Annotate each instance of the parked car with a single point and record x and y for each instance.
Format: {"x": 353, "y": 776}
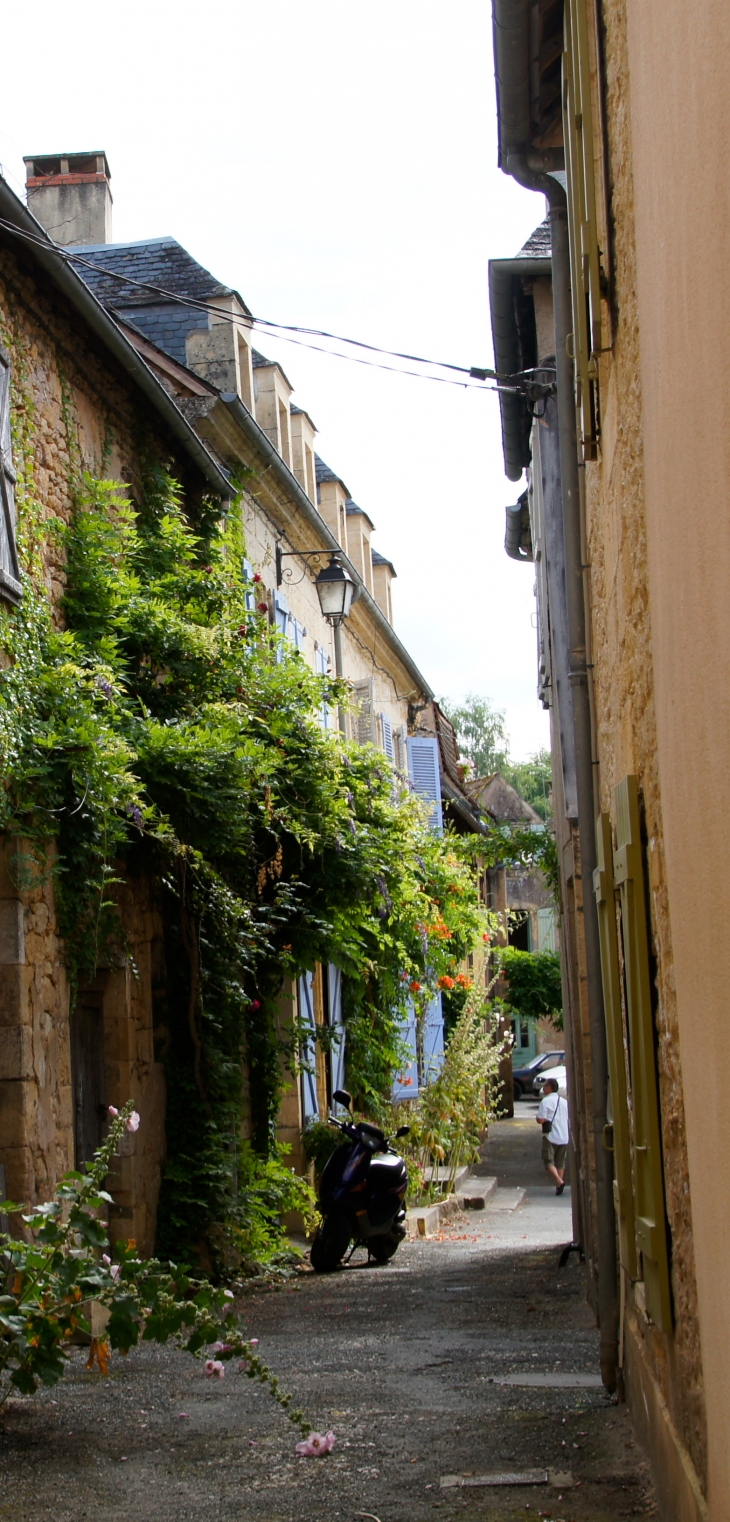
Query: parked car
{"x": 560, "y": 1075}
{"x": 523, "y": 1078}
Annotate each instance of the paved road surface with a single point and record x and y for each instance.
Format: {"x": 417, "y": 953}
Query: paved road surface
{"x": 403, "y": 1361}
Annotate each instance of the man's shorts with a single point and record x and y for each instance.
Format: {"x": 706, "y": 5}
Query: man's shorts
{"x": 553, "y": 1152}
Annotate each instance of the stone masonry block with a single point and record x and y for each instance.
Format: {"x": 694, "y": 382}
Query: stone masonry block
{"x": 16, "y": 1052}
{"x": 12, "y": 936}
{"x": 17, "y": 1113}
{"x": 13, "y": 1003}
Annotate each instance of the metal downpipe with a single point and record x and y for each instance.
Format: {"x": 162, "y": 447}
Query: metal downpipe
{"x": 516, "y": 166}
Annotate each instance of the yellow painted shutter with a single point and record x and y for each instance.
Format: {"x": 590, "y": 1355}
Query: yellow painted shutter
{"x": 651, "y": 1224}
{"x": 623, "y": 1187}
{"x": 585, "y": 267}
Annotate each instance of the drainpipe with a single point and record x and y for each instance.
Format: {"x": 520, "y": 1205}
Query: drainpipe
{"x": 516, "y": 165}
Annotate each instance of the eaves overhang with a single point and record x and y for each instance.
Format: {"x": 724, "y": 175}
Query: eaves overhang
{"x": 462, "y": 806}
{"x": 524, "y": 55}
{"x": 288, "y": 481}
{"x": 513, "y": 407}
{"x": 51, "y": 259}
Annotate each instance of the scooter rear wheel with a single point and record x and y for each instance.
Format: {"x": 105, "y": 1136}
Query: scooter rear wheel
{"x": 383, "y": 1248}
{"x": 331, "y": 1241}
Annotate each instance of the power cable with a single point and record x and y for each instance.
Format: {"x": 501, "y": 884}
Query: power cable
{"x": 284, "y": 330}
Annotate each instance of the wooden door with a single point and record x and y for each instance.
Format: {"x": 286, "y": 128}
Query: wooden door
{"x": 87, "y": 1074}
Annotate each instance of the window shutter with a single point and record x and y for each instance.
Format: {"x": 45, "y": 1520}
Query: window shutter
{"x": 623, "y": 1188}
{"x": 386, "y": 730}
{"x": 583, "y": 230}
{"x": 337, "y": 1052}
{"x": 363, "y": 718}
{"x": 249, "y": 596}
{"x": 423, "y": 770}
{"x": 405, "y": 1084}
{"x": 322, "y": 666}
{"x": 651, "y": 1224}
{"x": 433, "y": 1041}
{"x": 10, "y": 587}
{"x": 308, "y": 1049}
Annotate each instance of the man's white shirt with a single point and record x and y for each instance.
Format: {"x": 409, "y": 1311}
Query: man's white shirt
{"x": 553, "y": 1107}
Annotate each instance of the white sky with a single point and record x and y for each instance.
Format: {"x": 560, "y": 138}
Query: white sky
{"x": 337, "y": 165}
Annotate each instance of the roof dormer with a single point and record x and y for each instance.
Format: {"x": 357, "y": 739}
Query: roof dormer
{"x": 302, "y": 450}
{"x": 359, "y": 532}
{"x": 384, "y": 574}
{"x": 332, "y": 498}
{"x": 222, "y": 352}
{"x": 272, "y": 395}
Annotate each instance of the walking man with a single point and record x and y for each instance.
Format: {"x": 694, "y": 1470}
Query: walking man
{"x": 552, "y": 1115}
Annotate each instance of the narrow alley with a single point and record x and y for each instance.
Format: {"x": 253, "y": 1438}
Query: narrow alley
{"x": 471, "y": 1355}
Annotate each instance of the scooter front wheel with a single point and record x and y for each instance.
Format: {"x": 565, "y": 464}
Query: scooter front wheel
{"x": 331, "y": 1241}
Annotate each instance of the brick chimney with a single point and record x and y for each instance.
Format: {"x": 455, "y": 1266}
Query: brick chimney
{"x": 69, "y": 194}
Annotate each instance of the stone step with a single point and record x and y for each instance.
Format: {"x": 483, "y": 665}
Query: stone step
{"x": 507, "y": 1199}
{"x": 476, "y": 1193}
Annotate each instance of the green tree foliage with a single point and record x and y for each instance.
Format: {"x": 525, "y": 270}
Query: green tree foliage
{"x": 482, "y": 740}
{"x": 167, "y": 734}
{"x": 535, "y": 989}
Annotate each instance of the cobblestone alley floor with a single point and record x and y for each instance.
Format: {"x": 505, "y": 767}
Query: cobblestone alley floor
{"x": 404, "y": 1361}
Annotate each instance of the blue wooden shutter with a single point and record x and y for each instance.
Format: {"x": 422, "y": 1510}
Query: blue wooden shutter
{"x": 337, "y": 1052}
{"x": 249, "y": 595}
{"x": 362, "y": 717}
{"x": 386, "y": 729}
{"x": 433, "y": 1041}
{"x": 308, "y": 1051}
{"x": 423, "y": 770}
{"x": 10, "y": 587}
{"x": 322, "y": 664}
{"x": 405, "y": 1083}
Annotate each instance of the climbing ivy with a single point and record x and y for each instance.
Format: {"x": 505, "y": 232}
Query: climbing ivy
{"x": 165, "y": 734}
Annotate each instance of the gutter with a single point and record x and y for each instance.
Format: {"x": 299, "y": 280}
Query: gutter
{"x": 50, "y": 258}
{"x": 255, "y": 433}
{"x": 512, "y": 53}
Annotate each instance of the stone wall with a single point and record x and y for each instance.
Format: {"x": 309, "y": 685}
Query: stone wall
{"x": 72, "y": 409}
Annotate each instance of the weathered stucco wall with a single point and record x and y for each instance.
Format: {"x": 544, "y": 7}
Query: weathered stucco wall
{"x": 626, "y": 641}
{"x": 679, "y": 71}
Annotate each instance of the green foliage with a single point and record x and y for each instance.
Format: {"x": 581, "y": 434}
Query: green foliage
{"x": 535, "y": 988}
{"x": 167, "y": 733}
{"x": 482, "y": 740}
{"x": 533, "y": 780}
{"x": 48, "y": 1276}
{"x": 266, "y": 1190}
{"x": 480, "y": 733}
{"x": 320, "y": 1141}
{"x": 450, "y": 1116}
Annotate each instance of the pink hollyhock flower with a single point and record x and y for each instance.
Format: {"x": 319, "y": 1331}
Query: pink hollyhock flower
{"x": 106, "y": 1259}
{"x": 221, "y": 1347}
{"x": 316, "y": 1444}
{"x": 113, "y": 1112}
{"x": 132, "y": 1122}
{"x": 255, "y": 1004}
{"x": 214, "y": 1369}
{"x": 228, "y": 1294}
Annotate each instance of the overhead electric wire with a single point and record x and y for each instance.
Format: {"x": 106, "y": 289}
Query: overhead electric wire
{"x": 284, "y": 330}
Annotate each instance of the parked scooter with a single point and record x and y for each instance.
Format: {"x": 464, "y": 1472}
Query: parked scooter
{"x": 361, "y": 1194}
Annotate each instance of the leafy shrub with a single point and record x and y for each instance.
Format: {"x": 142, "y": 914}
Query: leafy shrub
{"x": 535, "y": 987}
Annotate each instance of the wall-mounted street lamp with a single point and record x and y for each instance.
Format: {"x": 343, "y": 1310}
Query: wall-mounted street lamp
{"x": 335, "y": 590}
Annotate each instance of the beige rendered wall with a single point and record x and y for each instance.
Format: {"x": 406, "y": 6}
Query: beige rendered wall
{"x": 679, "y": 71}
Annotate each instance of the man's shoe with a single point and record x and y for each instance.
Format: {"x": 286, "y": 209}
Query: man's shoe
{"x": 559, "y": 1188}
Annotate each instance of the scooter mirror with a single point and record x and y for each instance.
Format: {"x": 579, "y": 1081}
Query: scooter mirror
{"x": 341, "y": 1097}
{"x": 403, "y": 1131}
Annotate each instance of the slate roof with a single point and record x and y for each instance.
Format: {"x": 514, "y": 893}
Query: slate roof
{"x": 257, "y": 359}
{"x": 162, "y": 262}
{"x": 322, "y": 471}
{"x": 538, "y": 243}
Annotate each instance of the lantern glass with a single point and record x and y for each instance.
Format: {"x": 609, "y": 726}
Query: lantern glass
{"x": 334, "y": 589}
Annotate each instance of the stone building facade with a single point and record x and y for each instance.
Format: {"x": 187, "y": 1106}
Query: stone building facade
{"x": 616, "y": 112}
{"x": 89, "y": 374}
